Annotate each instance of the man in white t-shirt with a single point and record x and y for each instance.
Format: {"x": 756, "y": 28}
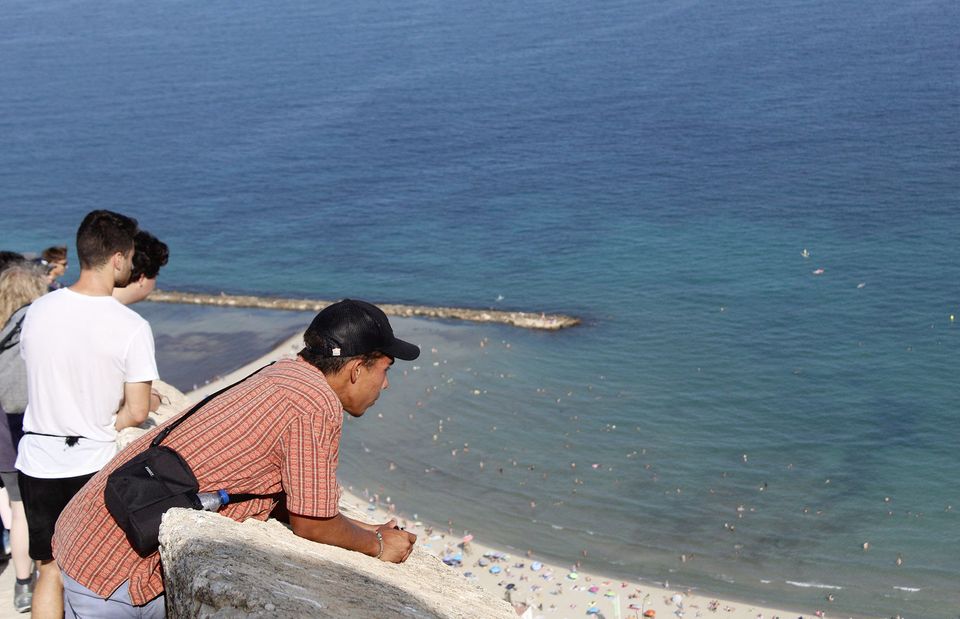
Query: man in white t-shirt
{"x": 90, "y": 363}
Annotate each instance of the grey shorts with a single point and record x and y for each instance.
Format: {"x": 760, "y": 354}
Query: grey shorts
{"x": 82, "y": 603}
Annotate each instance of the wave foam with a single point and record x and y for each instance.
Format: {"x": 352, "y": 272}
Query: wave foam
{"x": 812, "y": 585}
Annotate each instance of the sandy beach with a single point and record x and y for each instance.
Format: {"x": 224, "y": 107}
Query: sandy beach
{"x": 549, "y": 589}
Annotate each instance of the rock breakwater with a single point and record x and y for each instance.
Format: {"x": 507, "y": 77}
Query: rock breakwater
{"x": 526, "y": 320}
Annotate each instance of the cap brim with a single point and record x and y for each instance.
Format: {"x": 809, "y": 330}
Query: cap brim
{"x": 401, "y": 350}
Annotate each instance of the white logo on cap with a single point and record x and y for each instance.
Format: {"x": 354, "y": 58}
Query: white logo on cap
{"x": 336, "y": 352}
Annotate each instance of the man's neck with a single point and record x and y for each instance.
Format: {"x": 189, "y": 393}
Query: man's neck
{"x": 94, "y": 283}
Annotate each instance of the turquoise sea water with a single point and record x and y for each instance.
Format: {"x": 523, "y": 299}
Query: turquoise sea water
{"x": 656, "y": 168}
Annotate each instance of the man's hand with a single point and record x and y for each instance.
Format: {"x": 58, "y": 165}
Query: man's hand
{"x": 397, "y": 543}
{"x": 351, "y": 534}
{"x": 155, "y": 400}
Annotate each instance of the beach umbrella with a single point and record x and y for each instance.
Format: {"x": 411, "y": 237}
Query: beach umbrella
{"x": 535, "y": 566}
{"x": 593, "y": 589}
{"x": 573, "y": 576}
{"x": 593, "y": 610}
{"x": 495, "y": 569}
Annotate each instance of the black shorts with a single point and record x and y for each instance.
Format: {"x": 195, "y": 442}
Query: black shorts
{"x": 43, "y": 501}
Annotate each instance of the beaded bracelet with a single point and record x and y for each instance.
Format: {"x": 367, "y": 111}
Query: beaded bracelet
{"x": 380, "y": 540}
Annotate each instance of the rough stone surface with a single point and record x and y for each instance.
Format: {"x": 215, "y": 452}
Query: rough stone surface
{"x": 216, "y": 567}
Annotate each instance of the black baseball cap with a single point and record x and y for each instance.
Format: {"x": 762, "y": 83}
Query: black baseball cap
{"x": 350, "y": 328}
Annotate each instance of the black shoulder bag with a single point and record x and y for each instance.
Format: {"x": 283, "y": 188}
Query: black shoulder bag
{"x": 139, "y": 492}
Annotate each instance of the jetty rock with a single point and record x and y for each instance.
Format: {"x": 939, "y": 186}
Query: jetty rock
{"x": 525, "y": 320}
{"x": 216, "y": 567}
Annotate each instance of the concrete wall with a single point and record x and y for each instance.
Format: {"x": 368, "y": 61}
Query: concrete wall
{"x": 216, "y": 567}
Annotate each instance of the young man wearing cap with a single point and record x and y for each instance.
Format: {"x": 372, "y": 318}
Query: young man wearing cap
{"x": 275, "y": 433}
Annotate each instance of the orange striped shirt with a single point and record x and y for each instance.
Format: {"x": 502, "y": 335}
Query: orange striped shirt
{"x": 278, "y": 430}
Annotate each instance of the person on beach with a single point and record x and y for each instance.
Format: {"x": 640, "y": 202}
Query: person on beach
{"x": 55, "y": 259}
{"x": 150, "y": 253}
{"x": 20, "y": 285}
{"x": 277, "y": 434}
{"x": 90, "y": 363}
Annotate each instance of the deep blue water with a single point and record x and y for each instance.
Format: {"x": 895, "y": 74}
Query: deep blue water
{"x": 654, "y": 167}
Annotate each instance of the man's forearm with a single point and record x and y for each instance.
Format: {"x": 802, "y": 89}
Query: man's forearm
{"x": 337, "y": 531}
{"x": 135, "y": 407}
{"x": 363, "y": 525}
{"x": 383, "y": 541}
{"x": 128, "y": 419}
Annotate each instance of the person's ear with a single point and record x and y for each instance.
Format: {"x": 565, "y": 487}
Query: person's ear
{"x": 118, "y": 260}
{"x": 355, "y": 370}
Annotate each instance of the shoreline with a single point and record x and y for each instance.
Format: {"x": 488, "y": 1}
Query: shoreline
{"x": 552, "y": 590}
{"x": 525, "y": 320}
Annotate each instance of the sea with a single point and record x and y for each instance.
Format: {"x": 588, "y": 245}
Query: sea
{"x": 753, "y": 207}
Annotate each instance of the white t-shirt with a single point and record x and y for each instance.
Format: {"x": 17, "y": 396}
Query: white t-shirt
{"x": 79, "y": 351}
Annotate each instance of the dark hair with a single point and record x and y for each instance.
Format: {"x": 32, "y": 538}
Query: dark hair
{"x": 101, "y": 235}
{"x": 55, "y": 253}
{"x": 150, "y": 254}
{"x": 331, "y": 365}
{"x": 9, "y": 258}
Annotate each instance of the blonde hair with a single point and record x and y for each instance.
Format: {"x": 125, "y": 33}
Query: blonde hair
{"x": 19, "y": 285}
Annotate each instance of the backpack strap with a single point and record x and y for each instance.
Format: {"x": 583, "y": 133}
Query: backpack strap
{"x": 234, "y": 498}
{"x": 7, "y": 342}
{"x": 170, "y": 428}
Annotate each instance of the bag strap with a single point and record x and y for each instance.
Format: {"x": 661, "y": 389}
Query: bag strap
{"x": 170, "y": 428}
{"x": 234, "y": 498}
{"x": 6, "y": 344}
{"x": 70, "y": 440}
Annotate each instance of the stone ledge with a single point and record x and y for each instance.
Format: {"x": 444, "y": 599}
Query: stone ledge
{"x": 217, "y": 567}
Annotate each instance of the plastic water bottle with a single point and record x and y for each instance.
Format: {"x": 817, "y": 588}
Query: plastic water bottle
{"x": 213, "y": 501}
